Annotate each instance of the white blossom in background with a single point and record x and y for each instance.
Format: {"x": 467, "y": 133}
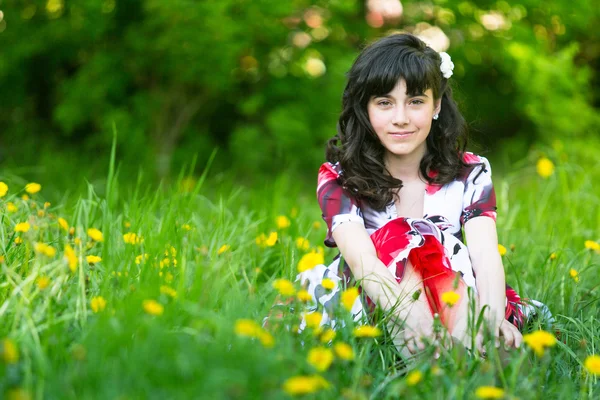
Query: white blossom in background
{"x": 382, "y": 11}
{"x": 493, "y": 21}
{"x": 315, "y": 67}
{"x": 433, "y": 36}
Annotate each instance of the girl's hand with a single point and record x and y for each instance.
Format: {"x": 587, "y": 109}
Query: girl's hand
{"x": 510, "y": 333}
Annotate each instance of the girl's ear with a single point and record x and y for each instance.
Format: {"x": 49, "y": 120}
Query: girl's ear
{"x": 438, "y": 106}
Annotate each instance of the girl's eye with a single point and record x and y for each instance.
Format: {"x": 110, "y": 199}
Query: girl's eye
{"x": 416, "y": 101}
{"x": 384, "y": 103}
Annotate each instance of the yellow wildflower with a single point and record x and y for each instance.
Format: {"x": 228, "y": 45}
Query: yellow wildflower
{"x": 367, "y": 331}
{"x": 98, "y": 304}
{"x": 247, "y": 327}
{"x": 25, "y": 198}
{"x": 343, "y": 351}
{"x": 41, "y": 213}
{"x": 18, "y": 240}
{"x": 501, "y": 250}
{"x": 169, "y": 291}
{"x": 320, "y": 358}
{"x": 3, "y": 189}
{"x": 304, "y": 296}
{"x": 43, "y": 282}
{"x": 284, "y": 287}
{"x": 10, "y": 207}
{"x": 574, "y": 274}
{"x": 592, "y": 364}
{"x": 22, "y": 227}
{"x": 63, "y": 224}
{"x": 71, "y": 258}
{"x": 414, "y": 377}
{"x": 316, "y": 225}
{"x": 95, "y": 235}
{"x": 327, "y": 336}
{"x": 489, "y": 392}
{"x": 10, "y": 353}
{"x": 302, "y": 243}
{"x": 2, "y": 260}
{"x": 349, "y": 297}
{"x": 327, "y": 284}
{"x": 33, "y": 188}
{"x": 153, "y": 307}
{"x": 266, "y": 339}
{"x": 132, "y": 238}
{"x": 44, "y": 249}
{"x": 592, "y": 245}
{"x": 282, "y": 222}
{"x": 169, "y": 277}
{"x": 313, "y": 320}
{"x": 93, "y": 259}
{"x": 186, "y": 227}
{"x": 223, "y": 249}
{"x": 142, "y": 257}
{"x": 539, "y": 340}
{"x": 310, "y": 260}
{"x": 545, "y": 167}
{"x": 47, "y": 204}
{"x": 18, "y": 393}
{"x": 450, "y": 298}
{"x": 264, "y": 240}
{"x": 553, "y": 256}
{"x": 301, "y": 385}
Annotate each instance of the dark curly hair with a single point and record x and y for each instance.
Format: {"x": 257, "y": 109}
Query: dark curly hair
{"x": 357, "y": 148}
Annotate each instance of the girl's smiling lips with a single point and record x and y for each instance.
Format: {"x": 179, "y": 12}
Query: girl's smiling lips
{"x": 401, "y": 133}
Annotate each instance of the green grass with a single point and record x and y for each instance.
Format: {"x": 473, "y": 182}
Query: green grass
{"x": 67, "y": 351}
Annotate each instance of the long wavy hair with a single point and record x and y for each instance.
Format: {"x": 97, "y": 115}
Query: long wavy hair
{"x": 357, "y": 148}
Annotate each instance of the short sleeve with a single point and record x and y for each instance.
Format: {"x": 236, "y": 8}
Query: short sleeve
{"x": 479, "y": 198}
{"x": 337, "y": 207}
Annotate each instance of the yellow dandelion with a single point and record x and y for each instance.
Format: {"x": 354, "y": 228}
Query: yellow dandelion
{"x": 186, "y": 227}
{"x": 264, "y": 240}
{"x": 349, "y": 297}
{"x": 266, "y": 339}
{"x": 22, "y": 227}
{"x": 574, "y": 274}
{"x": 327, "y": 284}
{"x": 132, "y": 238}
{"x": 169, "y": 277}
{"x": 10, "y": 207}
{"x": 153, "y": 307}
{"x": 2, "y": 259}
{"x": 71, "y": 258}
{"x": 313, "y": 320}
{"x": 310, "y": 260}
{"x": 98, "y": 304}
{"x": 592, "y": 245}
{"x": 43, "y": 282}
{"x": 301, "y": 385}
{"x": 316, "y": 225}
{"x": 545, "y": 167}
{"x": 3, "y": 189}
{"x": 93, "y": 259}
{"x": 302, "y": 244}
{"x": 450, "y": 298}
{"x": 538, "y": 341}
{"x": 320, "y": 358}
{"x": 282, "y": 222}
{"x": 95, "y": 235}
{"x": 41, "y": 213}
{"x": 47, "y": 204}
{"x": 26, "y": 198}
{"x": 414, "y": 377}
{"x": 501, "y": 250}
{"x": 223, "y": 249}
{"x": 247, "y": 327}
{"x": 169, "y": 291}
{"x": 343, "y": 351}
{"x": 18, "y": 241}
{"x": 42, "y": 248}
{"x": 367, "y": 331}
{"x": 141, "y": 258}
{"x": 63, "y": 224}
{"x": 327, "y": 336}
{"x": 33, "y": 188}
{"x": 284, "y": 287}
{"x": 553, "y": 256}
{"x": 489, "y": 392}
{"x": 10, "y": 353}
{"x": 592, "y": 364}
{"x": 304, "y": 296}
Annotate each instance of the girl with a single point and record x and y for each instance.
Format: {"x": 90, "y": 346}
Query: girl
{"x": 398, "y": 191}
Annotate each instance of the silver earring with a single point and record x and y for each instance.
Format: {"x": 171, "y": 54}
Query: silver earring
{"x": 436, "y": 116}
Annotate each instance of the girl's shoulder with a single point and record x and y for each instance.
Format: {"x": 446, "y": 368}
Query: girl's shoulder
{"x": 476, "y": 165}
{"x": 328, "y": 172}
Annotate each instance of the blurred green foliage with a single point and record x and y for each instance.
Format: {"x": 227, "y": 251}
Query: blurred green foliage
{"x": 262, "y": 80}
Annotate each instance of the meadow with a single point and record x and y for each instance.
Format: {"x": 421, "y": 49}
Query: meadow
{"x": 160, "y": 293}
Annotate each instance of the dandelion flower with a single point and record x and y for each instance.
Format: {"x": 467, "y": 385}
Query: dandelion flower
{"x": 45, "y": 249}
{"x": 10, "y": 353}
{"x": 186, "y": 227}
{"x": 501, "y": 250}
{"x": 414, "y": 377}
{"x": 320, "y": 358}
{"x": 313, "y": 320}
{"x": 131, "y": 238}
{"x": 33, "y": 188}
{"x": 349, "y": 297}
{"x": 22, "y": 227}
{"x": 223, "y": 249}
{"x": 302, "y": 244}
{"x": 343, "y": 351}
{"x": 367, "y": 331}
{"x": 545, "y": 167}
{"x": 10, "y": 207}
{"x": 3, "y": 189}
{"x": 282, "y": 222}
{"x": 553, "y": 256}
{"x": 539, "y": 340}
{"x": 246, "y": 327}
{"x": 592, "y": 245}
{"x": 153, "y": 307}
{"x": 71, "y": 258}
{"x": 574, "y": 274}
{"x": 63, "y": 224}
{"x": 310, "y": 260}
{"x": 301, "y": 385}
{"x": 328, "y": 284}
{"x": 18, "y": 241}
{"x": 93, "y": 259}
{"x": 267, "y": 241}
{"x": 141, "y": 258}
{"x": 43, "y": 282}
{"x": 284, "y": 287}
{"x": 489, "y": 392}
{"x": 592, "y": 364}
{"x": 450, "y": 298}
{"x": 266, "y": 339}
{"x": 98, "y": 304}
{"x": 327, "y": 336}
{"x": 169, "y": 291}
{"x": 304, "y": 296}
{"x": 95, "y": 235}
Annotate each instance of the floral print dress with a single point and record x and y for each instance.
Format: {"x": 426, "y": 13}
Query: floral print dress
{"x": 433, "y": 244}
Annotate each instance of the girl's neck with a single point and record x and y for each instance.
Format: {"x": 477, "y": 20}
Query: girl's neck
{"x": 406, "y": 168}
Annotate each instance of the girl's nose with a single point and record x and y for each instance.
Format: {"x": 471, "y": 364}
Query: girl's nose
{"x": 400, "y": 117}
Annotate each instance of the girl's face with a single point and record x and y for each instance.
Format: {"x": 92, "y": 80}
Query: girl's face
{"x": 403, "y": 122}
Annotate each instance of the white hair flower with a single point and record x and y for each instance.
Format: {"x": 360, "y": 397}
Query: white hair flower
{"x": 447, "y": 66}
